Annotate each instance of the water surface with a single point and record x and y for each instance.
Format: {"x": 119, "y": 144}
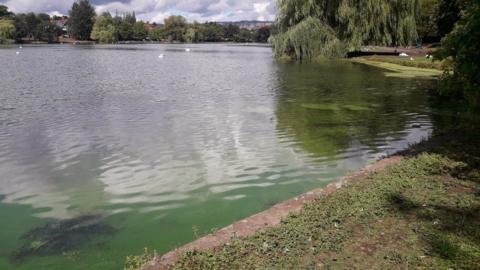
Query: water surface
{"x": 160, "y": 148}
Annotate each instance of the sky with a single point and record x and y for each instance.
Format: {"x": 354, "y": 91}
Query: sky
{"x": 157, "y": 10}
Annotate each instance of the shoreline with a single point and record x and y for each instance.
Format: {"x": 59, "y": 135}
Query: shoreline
{"x": 267, "y": 219}
{"x": 400, "y": 71}
{"x": 417, "y": 209}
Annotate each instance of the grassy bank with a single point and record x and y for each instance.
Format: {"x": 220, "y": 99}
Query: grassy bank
{"x": 417, "y": 62}
{"x": 400, "y": 68}
{"x": 422, "y": 213}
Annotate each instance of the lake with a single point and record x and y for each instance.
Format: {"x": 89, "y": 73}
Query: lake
{"x": 105, "y": 150}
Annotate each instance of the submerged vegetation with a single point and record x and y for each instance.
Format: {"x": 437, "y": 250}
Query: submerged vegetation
{"x": 61, "y": 236}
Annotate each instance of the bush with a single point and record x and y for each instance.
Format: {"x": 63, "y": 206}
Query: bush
{"x": 462, "y": 46}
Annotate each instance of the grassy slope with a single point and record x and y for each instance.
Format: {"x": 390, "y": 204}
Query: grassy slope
{"x": 422, "y": 213}
{"x": 419, "y": 61}
{"x": 399, "y": 68}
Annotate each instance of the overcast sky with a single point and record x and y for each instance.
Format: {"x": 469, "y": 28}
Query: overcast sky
{"x": 157, "y": 10}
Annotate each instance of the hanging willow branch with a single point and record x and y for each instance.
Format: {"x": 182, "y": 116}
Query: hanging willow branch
{"x": 312, "y": 28}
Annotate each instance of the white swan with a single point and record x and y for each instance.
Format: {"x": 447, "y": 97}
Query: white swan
{"x": 17, "y": 53}
{"x": 187, "y": 49}
{"x": 161, "y": 56}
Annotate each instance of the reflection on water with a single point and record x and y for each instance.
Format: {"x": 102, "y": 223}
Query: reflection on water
{"x": 201, "y": 138}
{"x": 342, "y": 111}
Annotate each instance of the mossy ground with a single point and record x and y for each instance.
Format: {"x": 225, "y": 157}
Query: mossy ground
{"x": 423, "y": 213}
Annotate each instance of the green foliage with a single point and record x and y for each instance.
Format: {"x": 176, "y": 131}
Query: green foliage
{"x": 7, "y": 30}
{"x": 212, "y": 32}
{"x": 307, "y": 40}
{"x": 110, "y": 30}
{"x": 83, "y": 25}
{"x": 191, "y": 35}
{"x": 309, "y": 29}
{"x": 244, "y": 35}
{"x": 81, "y": 19}
{"x": 35, "y": 27}
{"x": 462, "y": 46}
{"x": 262, "y": 34}
{"x": 427, "y": 23}
{"x": 176, "y": 29}
{"x": 139, "y": 31}
{"x": 231, "y": 31}
{"x": 448, "y": 15}
{"x": 103, "y": 30}
{"x": 138, "y": 261}
{"x": 4, "y": 12}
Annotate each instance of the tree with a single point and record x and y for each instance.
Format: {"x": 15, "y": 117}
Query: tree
{"x": 212, "y": 32}
{"x": 462, "y": 45}
{"x": 427, "y": 22}
{"x": 243, "y": 36}
{"x": 139, "y": 31}
{"x": 104, "y": 30}
{"x": 125, "y": 30}
{"x": 21, "y": 27}
{"x": 262, "y": 34}
{"x": 231, "y": 30}
{"x": 156, "y": 34}
{"x": 7, "y": 31}
{"x": 191, "y": 35}
{"x": 448, "y": 15}
{"x": 174, "y": 28}
{"x": 4, "y": 12}
{"x": 308, "y": 29}
{"x": 81, "y": 19}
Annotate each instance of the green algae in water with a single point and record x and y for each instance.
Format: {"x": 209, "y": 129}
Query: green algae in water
{"x": 356, "y": 107}
{"x": 336, "y": 107}
{"x": 322, "y": 106}
{"x": 61, "y": 236}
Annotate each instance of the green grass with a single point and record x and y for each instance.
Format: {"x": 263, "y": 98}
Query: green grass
{"x": 400, "y": 70}
{"x": 423, "y": 213}
{"x": 418, "y": 61}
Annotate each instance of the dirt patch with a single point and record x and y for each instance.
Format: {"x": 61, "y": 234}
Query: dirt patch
{"x": 462, "y": 189}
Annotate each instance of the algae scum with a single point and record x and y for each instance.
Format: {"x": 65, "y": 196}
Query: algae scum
{"x": 62, "y": 236}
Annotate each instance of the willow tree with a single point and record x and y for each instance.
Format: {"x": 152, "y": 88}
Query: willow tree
{"x": 312, "y": 28}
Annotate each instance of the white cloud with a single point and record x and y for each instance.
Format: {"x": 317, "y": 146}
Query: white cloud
{"x": 157, "y": 10}
{"x": 260, "y": 7}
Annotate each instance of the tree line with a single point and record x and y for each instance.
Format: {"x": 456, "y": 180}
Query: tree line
{"x": 109, "y": 29}
{"x": 85, "y": 24}
{"x": 35, "y": 27}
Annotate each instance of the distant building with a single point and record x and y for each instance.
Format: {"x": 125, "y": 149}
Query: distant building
{"x": 61, "y": 22}
{"x": 150, "y": 26}
{"x": 250, "y": 25}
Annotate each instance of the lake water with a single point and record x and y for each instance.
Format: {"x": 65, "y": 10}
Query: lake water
{"x": 161, "y": 150}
